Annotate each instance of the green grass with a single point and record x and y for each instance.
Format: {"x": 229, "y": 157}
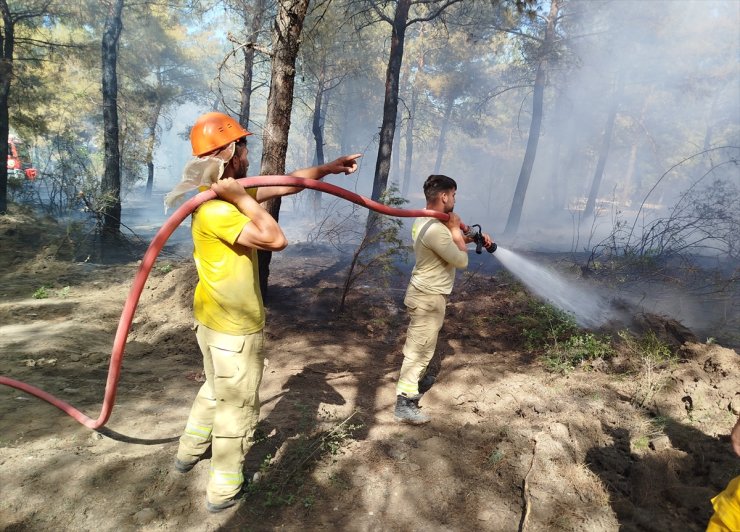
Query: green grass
{"x": 163, "y": 268}
{"x": 648, "y": 347}
{"x": 555, "y": 336}
{"x": 45, "y": 292}
{"x": 544, "y": 325}
{"x": 578, "y": 350}
{"x": 495, "y": 457}
{"x": 41, "y": 293}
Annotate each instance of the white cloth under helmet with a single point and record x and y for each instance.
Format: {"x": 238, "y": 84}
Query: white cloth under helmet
{"x": 199, "y": 172}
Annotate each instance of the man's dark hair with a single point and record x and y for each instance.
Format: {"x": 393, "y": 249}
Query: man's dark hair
{"x": 437, "y": 183}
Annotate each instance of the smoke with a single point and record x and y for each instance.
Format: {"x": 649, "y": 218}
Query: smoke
{"x": 668, "y": 69}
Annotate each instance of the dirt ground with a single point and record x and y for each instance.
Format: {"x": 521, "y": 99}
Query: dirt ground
{"x": 510, "y": 445}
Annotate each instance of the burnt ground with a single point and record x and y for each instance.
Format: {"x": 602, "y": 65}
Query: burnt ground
{"x": 614, "y": 444}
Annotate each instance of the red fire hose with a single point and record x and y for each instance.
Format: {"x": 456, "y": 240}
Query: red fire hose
{"x": 124, "y": 324}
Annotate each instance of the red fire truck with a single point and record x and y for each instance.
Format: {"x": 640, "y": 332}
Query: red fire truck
{"x": 19, "y": 163}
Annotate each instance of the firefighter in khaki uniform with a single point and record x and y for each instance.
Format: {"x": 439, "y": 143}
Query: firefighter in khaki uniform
{"x": 228, "y": 309}
{"x": 440, "y": 249}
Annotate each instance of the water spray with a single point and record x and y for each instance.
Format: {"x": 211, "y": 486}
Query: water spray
{"x": 589, "y": 308}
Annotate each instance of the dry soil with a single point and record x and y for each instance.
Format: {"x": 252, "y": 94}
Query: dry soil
{"x": 510, "y": 445}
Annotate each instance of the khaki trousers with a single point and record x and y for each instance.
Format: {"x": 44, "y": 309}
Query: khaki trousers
{"x": 226, "y": 410}
{"x": 427, "y": 313}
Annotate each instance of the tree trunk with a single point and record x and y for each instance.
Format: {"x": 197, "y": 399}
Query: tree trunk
{"x": 246, "y": 96}
{"x": 317, "y": 129}
{"x": 345, "y": 124}
{"x": 7, "y": 44}
{"x": 411, "y": 121}
{"x": 285, "y": 44}
{"x": 603, "y": 153}
{"x": 396, "y": 158}
{"x": 151, "y": 143}
{"x": 111, "y": 182}
{"x": 515, "y": 214}
{"x": 443, "y": 133}
{"x": 316, "y": 123}
{"x": 409, "y": 144}
{"x": 390, "y": 106}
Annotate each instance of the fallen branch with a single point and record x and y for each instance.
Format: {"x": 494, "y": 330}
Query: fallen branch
{"x": 525, "y": 494}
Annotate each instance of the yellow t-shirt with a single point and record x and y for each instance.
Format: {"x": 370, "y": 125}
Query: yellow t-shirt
{"x": 437, "y": 257}
{"x": 227, "y": 298}
{"x": 726, "y": 516}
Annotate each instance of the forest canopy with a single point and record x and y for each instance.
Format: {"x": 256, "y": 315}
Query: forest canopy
{"x": 544, "y": 112}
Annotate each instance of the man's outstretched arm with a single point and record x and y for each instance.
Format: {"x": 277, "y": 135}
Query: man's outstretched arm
{"x": 347, "y": 164}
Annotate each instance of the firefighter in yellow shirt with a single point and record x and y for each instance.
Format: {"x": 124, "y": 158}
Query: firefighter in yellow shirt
{"x": 726, "y": 516}
{"x": 228, "y": 309}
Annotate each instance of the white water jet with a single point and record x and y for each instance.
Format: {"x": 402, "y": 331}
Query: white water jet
{"x": 589, "y": 308}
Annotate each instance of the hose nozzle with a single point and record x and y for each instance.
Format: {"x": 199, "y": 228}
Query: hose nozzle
{"x": 480, "y": 243}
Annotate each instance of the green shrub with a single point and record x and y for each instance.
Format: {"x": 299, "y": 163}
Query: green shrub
{"x": 648, "y": 347}
{"x": 164, "y": 268}
{"x": 555, "y": 335}
{"x": 544, "y": 326}
{"x": 576, "y": 351}
{"x": 41, "y": 293}
{"x": 653, "y": 360}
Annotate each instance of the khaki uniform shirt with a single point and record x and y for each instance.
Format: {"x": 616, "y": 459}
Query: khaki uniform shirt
{"x": 437, "y": 257}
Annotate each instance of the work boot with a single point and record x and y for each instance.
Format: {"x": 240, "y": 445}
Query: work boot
{"x": 407, "y": 410}
{"x": 426, "y": 383}
{"x": 214, "y": 508}
{"x": 183, "y": 467}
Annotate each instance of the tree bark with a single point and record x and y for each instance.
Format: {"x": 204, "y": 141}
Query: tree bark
{"x": 409, "y": 137}
{"x": 247, "y": 89}
{"x": 515, "y": 214}
{"x": 111, "y": 181}
{"x": 396, "y": 158}
{"x": 390, "y": 107}
{"x": 409, "y": 143}
{"x": 151, "y": 143}
{"x": 390, "y": 104}
{"x": 285, "y": 44}
{"x": 316, "y": 123}
{"x": 7, "y": 42}
{"x": 317, "y": 129}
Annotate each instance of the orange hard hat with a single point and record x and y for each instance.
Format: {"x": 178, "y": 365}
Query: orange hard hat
{"x": 212, "y": 131}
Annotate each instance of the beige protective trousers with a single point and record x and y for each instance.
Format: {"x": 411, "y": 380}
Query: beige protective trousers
{"x": 226, "y": 410}
{"x": 427, "y": 313}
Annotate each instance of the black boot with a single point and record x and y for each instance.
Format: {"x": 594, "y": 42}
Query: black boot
{"x": 407, "y": 410}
